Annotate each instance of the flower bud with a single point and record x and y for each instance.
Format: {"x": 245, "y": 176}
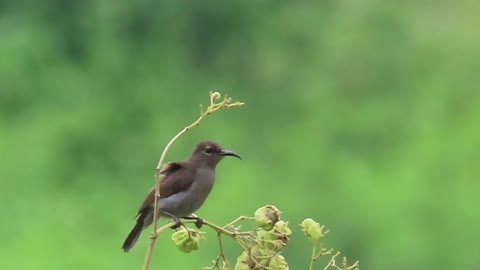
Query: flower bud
{"x": 215, "y": 95}
{"x": 278, "y": 263}
{"x": 187, "y": 241}
{"x": 267, "y": 216}
{"x": 312, "y": 230}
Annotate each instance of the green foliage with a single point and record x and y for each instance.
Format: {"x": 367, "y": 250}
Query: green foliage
{"x": 361, "y": 114}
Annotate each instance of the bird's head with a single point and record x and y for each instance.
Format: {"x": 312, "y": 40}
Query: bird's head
{"x": 209, "y": 154}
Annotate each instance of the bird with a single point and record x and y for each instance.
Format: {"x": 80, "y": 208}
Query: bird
{"x": 183, "y": 190}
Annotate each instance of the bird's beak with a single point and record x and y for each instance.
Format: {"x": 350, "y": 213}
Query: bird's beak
{"x": 229, "y": 153}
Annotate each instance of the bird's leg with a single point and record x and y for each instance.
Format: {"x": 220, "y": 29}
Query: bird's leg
{"x": 199, "y": 221}
{"x": 178, "y": 222}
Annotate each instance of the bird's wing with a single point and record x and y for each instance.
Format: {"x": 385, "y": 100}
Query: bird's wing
{"x": 178, "y": 176}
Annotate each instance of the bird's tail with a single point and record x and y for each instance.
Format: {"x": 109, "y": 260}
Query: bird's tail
{"x": 133, "y": 235}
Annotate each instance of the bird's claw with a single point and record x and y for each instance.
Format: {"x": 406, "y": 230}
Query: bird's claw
{"x": 177, "y": 224}
{"x": 198, "y": 223}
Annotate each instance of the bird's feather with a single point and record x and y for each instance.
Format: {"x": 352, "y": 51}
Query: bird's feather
{"x": 174, "y": 181}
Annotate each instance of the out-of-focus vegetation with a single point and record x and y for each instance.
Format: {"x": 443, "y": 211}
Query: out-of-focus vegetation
{"x": 364, "y": 115}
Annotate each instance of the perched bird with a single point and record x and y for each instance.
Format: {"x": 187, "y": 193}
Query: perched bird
{"x": 183, "y": 189}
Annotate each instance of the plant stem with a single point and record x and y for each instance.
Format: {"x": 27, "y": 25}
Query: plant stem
{"x": 312, "y": 258}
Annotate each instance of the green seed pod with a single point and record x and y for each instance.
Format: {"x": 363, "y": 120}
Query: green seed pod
{"x": 282, "y": 231}
{"x": 259, "y": 256}
{"x": 256, "y": 258}
{"x": 242, "y": 266}
{"x": 265, "y": 240}
{"x": 267, "y": 216}
{"x": 270, "y": 240}
{"x": 187, "y": 241}
{"x": 278, "y": 263}
{"x": 243, "y": 262}
{"x": 312, "y": 230}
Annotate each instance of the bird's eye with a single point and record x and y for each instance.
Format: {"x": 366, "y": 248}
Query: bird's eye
{"x": 209, "y": 150}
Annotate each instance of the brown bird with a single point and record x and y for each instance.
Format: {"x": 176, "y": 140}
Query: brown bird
{"x": 183, "y": 189}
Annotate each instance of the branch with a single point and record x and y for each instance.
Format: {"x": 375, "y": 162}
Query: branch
{"x": 260, "y": 249}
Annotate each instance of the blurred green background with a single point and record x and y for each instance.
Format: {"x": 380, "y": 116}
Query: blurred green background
{"x": 363, "y": 115}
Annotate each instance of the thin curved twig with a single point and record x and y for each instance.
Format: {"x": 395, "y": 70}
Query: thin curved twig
{"x": 213, "y": 107}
